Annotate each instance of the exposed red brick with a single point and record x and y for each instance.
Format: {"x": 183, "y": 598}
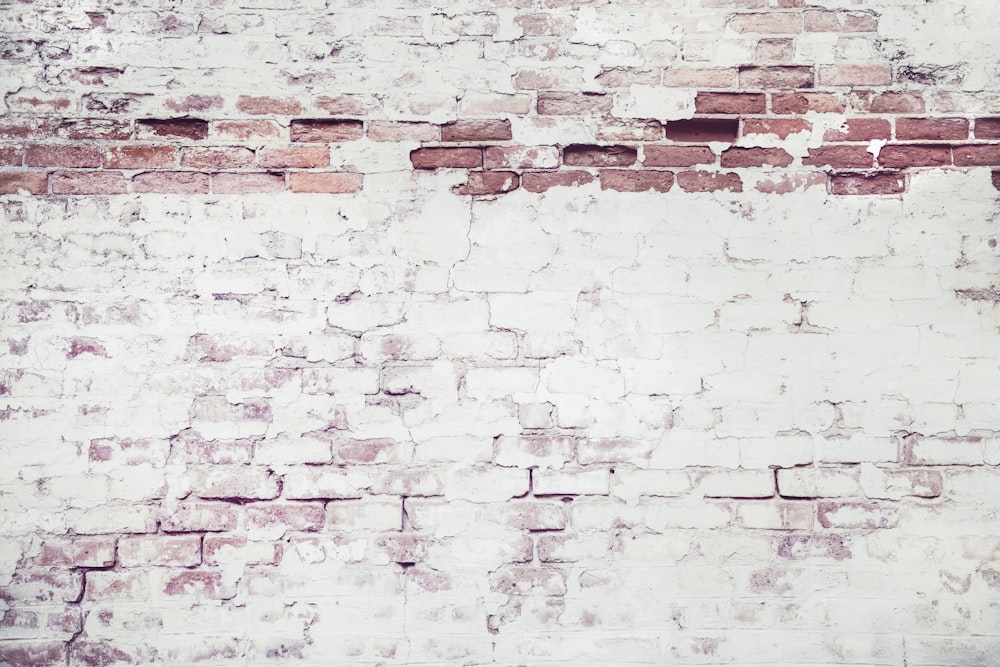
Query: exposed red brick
{"x": 302, "y": 157}
{"x": 488, "y": 183}
{"x": 230, "y": 184}
{"x": 780, "y": 127}
{"x": 11, "y": 156}
{"x": 217, "y": 157}
{"x": 38, "y": 103}
{"x": 139, "y": 157}
{"x": 867, "y": 184}
{"x": 366, "y": 451}
{"x": 636, "y": 130}
{"x": 199, "y": 517}
{"x": 987, "y": 128}
{"x": 677, "y": 156}
{"x": 730, "y": 103}
{"x": 477, "y": 130}
{"x": 802, "y": 547}
{"x": 176, "y": 128}
{"x": 800, "y": 103}
{"x": 198, "y": 583}
{"x": 326, "y": 131}
{"x": 774, "y": 49}
{"x": 25, "y": 128}
{"x": 536, "y": 24}
{"x": 444, "y": 158}
{"x": 914, "y": 156}
{"x": 88, "y": 183}
{"x": 290, "y": 516}
{"x": 33, "y": 182}
{"x": 521, "y": 157}
{"x": 855, "y": 75}
{"x": 783, "y": 183}
{"x": 702, "y": 130}
{"x": 540, "y": 181}
{"x": 898, "y": 103}
{"x": 706, "y": 181}
{"x": 347, "y": 105}
{"x": 840, "y": 514}
{"x": 686, "y": 77}
{"x": 860, "y": 129}
{"x": 171, "y": 182}
{"x": 932, "y": 129}
{"x": 33, "y": 654}
{"x": 776, "y": 77}
{"x": 268, "y": 106}
{"x": 384, "y": 130}
{"x": 242, "y": 130}
{"x": 574, "y": 104}
{"x": 821, "y": 21}
{"x": 194, "y": 103}
{"x": 766, "y": 22}
{"x": 78, "y": 551}
{"x": 334, "y": 183}
{"x": 977, "y": 156}
{"x": 840, "y": 156}
{"x": 41, "y": 155}
{"x": 93, "y": 128}
{"x": 755, "y": 157}
{"x": 586, "y": 155}
{"x": 626, "y": 180}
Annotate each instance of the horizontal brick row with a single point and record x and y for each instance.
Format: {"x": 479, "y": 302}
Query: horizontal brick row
{"x": 176, "y": 182}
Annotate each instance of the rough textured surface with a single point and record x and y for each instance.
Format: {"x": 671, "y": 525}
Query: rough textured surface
{"x": 499, "y": 333}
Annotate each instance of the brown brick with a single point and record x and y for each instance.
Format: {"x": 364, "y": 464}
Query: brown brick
{"x": 573, "y": 104}
{"x": 301, "y": 157}
{"x": 488, "y": 183}
{"x": 626, "y": 180}
{"x": 855, "y": 75}
{"x": 477, "y": 130}
{"x": 446, "y": 158}
{"x": 914, "y": 156}
{"x": 176, "y": 128}
{"x": 988, "y": 128}
{"x": 779, "y": 127}
{"x": 540, "y": 181}
{"x": 217, "y": 157}
{"x": 229, "y": 184}
{"x": 586, "y": 155}
{"x": 755, "y": 157}
{"x": 977, "y": 156}
{"x": 268, "y": 106}
{"x": 706, "y": 181}
{"x": 35, "y": 182}
{"x": 867, "y": 184}
{"x": 41, "y": 155}
{"x": 677, "y": 156}
{"x": 932, "y": 129}
{"x": 898, "y": 103}
{"x": 776, "y": 77}
{"x": 326, "y": 131}
{"x": 11, "y": 156}
{"x": 730, "y": 103}
{"x": 860, "y": 129}
{"x": 334, "y": 183}
{"x": 140, "y": 157}
{"x": 171, "y": 182}
{"x": 89, "y": 183}
{"x": 839, "y": 156}
{"x": 767, "y": 22}
{"x": 777, "y": 48}
{"x": 702, "y": 130}
{"x": 800, "y": 103}
{"x": 822, "y": 21}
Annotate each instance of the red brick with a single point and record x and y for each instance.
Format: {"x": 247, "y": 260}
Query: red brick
{"x": 78, "y": 551}
{"x": 93, "y": 652}
{"x": 776, "y": 77}
{"x": 290, "y": 516}
{"x": 839, "y": 156}
{"x": 268, "y": 106}
{"x": 180, "y": 551}
{"x": 488, "y": 183}
{"x": 855, "y": 75}
{"x": 626, "y": 180}
{"x": 447, "y": 158}
{"x": 540, "y": 181}
{"x": 705, "y": 181}
{"x": 914, "y": 156}
{"x": 46, "y": 586}
{"x": 385, "y": 130}
{"x": 548, "y": 24}
{"x": 684, "y": 77}
{"x": 783, "y": 183}
{"x": 93, "y": 128}
{"x": 195, "y": 517}
{"x": 11, "y": 156}
{"x": 171, "y": 182}
{"x": 898, "y": 103}
{"x": 996, "y": 179}
{"x": 702, "y": 130}
{"x": 33, "y": 654}
{"x": 780, "y": 127}
{"x": 38, "y": 103}
{"x": 243, "y": 130}
{"x": 302, "y": 157}
{"x": 820, "y": 21}
{"x": 860, "y": 129}
{"x": 867, "y": 184}
{"x": 176, "y": 128}
{"x": 755, "y": 157}
{"x": 522, "y": 157}
{"x": 527, "y": 580}
{"x": 369, "y": 451}
{"x": 222, "y": 157}
{"x": 766, "y": 22}
{"x": 347, "y": 105}
{"x": 840, "y": 514}
{"x": 800, "y": 103}
{"x": 802, "y": 547}
{"x": 403, "y": 547}
{"x": 977, "y": 156}
{"x": 573, "y": 104}
{"x": 586, "y": 155}
{"x": 636, "y": 130}
{"x": 777, "y": 48}
{"x": 932, "y": 129}
{"x": 326, "y": 131}
{"x": 140, "y": 157}
{"x": 199, "y": 584}
{"x": 477, "y": 130}
{"x": 35, "y": 182}
{"x": 730, "y": 103}
{"x": 331, "y": 183}
{"x": 988, "y": 128}
{"x": 677, "y": 156}
{"x": 25, "y": 128}
{"x": 40, "y": 155}
{"x": 229, "y": 184}
{"x": 89, "y": 183}
{"x": 194, "y": 103}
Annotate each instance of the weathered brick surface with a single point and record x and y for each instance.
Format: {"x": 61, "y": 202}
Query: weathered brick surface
{"x": 500, "y": 333}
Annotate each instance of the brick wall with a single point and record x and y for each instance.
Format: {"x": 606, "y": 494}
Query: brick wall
{"x": 342, "y": 332}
